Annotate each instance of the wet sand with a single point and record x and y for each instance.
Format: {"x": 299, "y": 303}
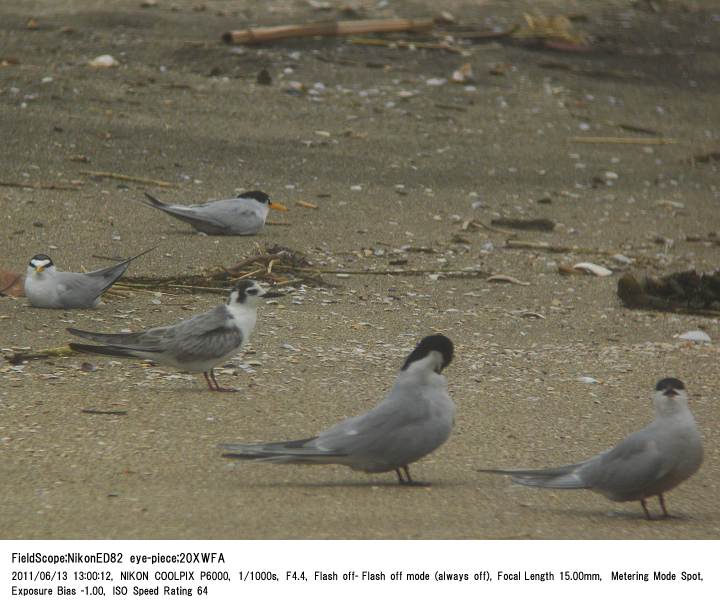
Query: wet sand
{"x": 396, "y": 163}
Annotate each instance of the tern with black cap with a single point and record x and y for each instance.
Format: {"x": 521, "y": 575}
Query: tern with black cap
{"x": 647, "y": 463}
{"x": 48, "y": 288}
{"x": 197, "y": 344}
{"x": 414, "y": 419}
{"x": 242, "y": 215}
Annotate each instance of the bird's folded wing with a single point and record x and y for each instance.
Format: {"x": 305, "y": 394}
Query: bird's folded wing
{"x": 197, "y": 216}
{"x": 69, "y": 282}
{"x": 397, "y": 419}
{"x": 633, "y": 463}
{"x": 207, "y": 336}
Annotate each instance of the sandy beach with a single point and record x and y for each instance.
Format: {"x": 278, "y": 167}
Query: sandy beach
{"x": 404, "y": 169}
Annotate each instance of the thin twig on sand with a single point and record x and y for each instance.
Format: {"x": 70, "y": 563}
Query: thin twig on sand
{"x": 40, "y": 185}
{"x": 17, "y": 357}
{"x": 127, "y": 178}
{"x": 326, "y": 28}
{"x": 637, "y": 141}
{"x": 405, "y": 44}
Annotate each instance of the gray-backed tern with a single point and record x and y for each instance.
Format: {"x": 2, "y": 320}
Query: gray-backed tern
{"x": 414, "y": 419}
{"x": 242, "y": 215}
{"x": 647, "y": 463}
{"x": 197, "y": 344}
{"x": 47, "y": 287}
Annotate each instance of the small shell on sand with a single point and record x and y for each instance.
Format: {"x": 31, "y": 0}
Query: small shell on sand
{"x": 593, "y": 269}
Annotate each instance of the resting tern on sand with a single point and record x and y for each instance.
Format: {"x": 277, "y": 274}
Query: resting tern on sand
{"x": 243, "y": 215}
{"x": 414, "y": 419}
{"x": 49, "y": 288}
{"x": 197, "y": 344}
{"x": 649, "y": 462}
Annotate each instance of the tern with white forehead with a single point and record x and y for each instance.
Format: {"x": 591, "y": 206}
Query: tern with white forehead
{"x": 647, "y": 463}
{"x": 197, "y": 344}
{"x": 414, "y": 419}
{"x": 46, "y": 287}
{"x": 242, "y": 215}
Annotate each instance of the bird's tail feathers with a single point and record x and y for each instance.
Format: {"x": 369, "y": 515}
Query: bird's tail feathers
{"x": 115, "y": 350}
{"x": 121, "y": 340}
{"x": 147, "y": 251}
{"x": 563, "y": 477}
{"x": 154, "y": 202}
{"x": 181, "y": 212}
{"x": 296, "y": 451}
{"x": 113, "y": 273}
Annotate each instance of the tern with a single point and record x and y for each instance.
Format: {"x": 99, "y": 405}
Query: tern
{"x": 243, "y": 215}
{"x": 49, "y": 288}
{"x": 197, "y": 344}
{"x": 647, "y": 463}
{"x": 414, "y": 419}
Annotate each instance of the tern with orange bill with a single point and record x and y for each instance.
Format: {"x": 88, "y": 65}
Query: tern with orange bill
{"x": 242, "y": 215}
{"x": 48, "y": 288}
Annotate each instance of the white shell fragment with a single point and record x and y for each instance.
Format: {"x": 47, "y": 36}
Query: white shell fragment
{"x": 697, "y": 336}
{"x": 531, "y": 315}
{"x": 621, "y": 259}
{"x": 463, "y": 74}
{"x": 588, "y": 380}
{"x": 506, "y": 279}
{"x": 670, "y": 204}
{"x": 592, "y": 269}
{"x": 104, "y": 61}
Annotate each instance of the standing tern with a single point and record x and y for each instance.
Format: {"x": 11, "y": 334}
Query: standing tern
{"x": 414, "y": 419}
{"x": 197, "y": 344}
{"x": 49, "y": 288}
{"x": 649, "y": 462}
{"x": 243, "y": 215}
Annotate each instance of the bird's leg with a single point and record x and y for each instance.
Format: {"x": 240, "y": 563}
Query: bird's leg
{"x": 644, "y": 506}
{"x": 207, "y": 378}
{"x": 662, "y": 505}
{"x": 407, "y": 479}
{"x": 217, "y": 385}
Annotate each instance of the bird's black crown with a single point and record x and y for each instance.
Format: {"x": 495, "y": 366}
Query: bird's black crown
{"x": 40, "y": 258}
{"x": 258, "y": 195}
{"x": 242, "y": 287}
{"x": 435, "y": 342}
{"x": 669, "y": 383}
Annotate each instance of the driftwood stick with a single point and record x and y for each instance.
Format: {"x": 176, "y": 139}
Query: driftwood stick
{"x": 515, "y": 244}
{"x": 127, "y": 178}
{"x": 405, "y": 44}
{"x": 177, "y": 286}
{"x": 469, "y": 272}
{"x": 540, "y": 245}
{"x": 112, "y": 412}
{"x": 638, "y": 141}
{"x": 16, "y": 357}
{"x": 243, "y": 264}
{"x": 40, "y": 185}
{"x": 326, "y": 28}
